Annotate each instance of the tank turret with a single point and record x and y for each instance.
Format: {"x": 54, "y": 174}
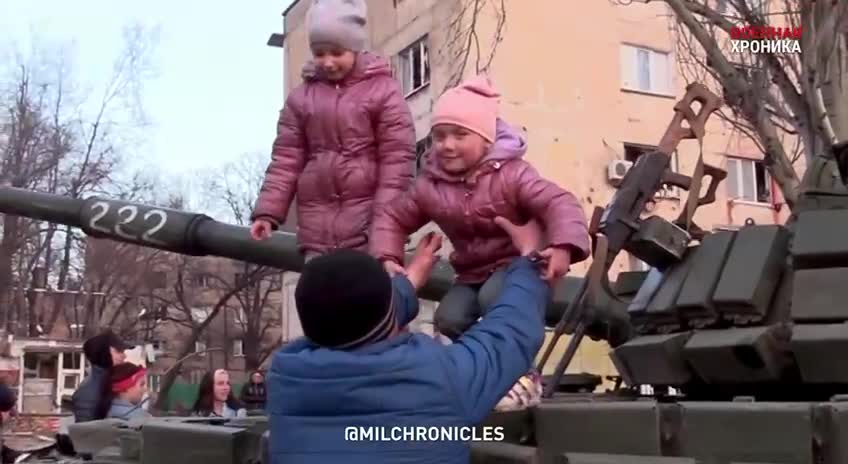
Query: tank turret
{"x": 735, "y": 352}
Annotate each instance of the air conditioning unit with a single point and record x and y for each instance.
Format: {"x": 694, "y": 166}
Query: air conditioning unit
{"x": 616, "y": 171}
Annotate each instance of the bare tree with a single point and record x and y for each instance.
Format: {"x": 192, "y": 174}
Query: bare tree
{"x": 26, "y": 162}
{"x": 49, "y": 141}
{"x": 258, "y": 317}
{"x": 120, "y": 284}
{"x": 790, "y": 105}
{"x": 237, "y": 186}
{"x": 200, "y": 293}
{"x": 465, "y": 50}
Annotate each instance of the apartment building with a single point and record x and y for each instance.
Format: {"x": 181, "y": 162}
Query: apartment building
{"x": 593, "y": 87}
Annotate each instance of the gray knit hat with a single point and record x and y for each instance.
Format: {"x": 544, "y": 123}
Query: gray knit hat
{"x": 338, "y": 22}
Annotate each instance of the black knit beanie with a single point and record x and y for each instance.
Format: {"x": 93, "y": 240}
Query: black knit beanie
{"x": 344, "y": 300}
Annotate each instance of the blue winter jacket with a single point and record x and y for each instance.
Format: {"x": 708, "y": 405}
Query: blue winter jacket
{"x": 315, "y": 395}
{"x": 87, "y": 396}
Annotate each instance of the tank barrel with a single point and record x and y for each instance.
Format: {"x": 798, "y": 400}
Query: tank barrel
{"x": 43, "y": 206}
{"x": 190, "y": 234}
{"x": 173, "y": 230}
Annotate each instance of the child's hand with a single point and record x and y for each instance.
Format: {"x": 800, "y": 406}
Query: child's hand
{"x": 260, "y": 229}
{"x": 425, "y": 257}
{"x": 559, "y": 260}
{"x": 393, "y": 268}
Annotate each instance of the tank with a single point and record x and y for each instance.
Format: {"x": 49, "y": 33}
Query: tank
{"x": 735, "y": 353}
{"x": 728, "y": 349}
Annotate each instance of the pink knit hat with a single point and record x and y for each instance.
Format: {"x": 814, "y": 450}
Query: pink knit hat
{"x": 472, "y": 104}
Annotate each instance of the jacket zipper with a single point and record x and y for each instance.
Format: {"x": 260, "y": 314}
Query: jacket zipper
{"x": 467, "y": 200}
{"x": 336, "y": 195}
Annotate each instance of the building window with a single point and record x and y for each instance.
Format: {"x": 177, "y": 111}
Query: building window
{"x": 240, "y": 316}
{"x": 70, "y": 381}
{"x": 645, "y": 70}
{"x": 413, "y": 67}
{"x": 632, "y": 152}
{"x": 238, "y": 347}
{"x": 153, "y": 381}
{"x": 199, "y": 347}
{"x": 748, "y": 180}
{"x": 201, "y": 281}
{"x": 71, "y": 360}
{"x": 421, "y": 149}
{"x": 77, "y": 330}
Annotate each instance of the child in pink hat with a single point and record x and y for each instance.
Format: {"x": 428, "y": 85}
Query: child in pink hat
{"x": 345, "y": 140}
{"x": 475, "y": 173}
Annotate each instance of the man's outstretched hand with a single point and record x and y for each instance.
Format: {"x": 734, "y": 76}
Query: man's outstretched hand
{"x": 527, "y": 238}
{"x": 421, "y": 265}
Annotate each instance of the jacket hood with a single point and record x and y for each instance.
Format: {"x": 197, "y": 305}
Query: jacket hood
{"x": 509, "y": 144}
{"x": 367, "y": 65}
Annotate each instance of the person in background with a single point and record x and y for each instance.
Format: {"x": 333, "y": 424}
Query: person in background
{"x": 253, "y": 392}
{"x": 128, "y": 389}
{"x": 355, "y": 369}
{"x": 345, "y": 141}
{"x": 8, "y": 402}
{"x": 102, "y": 352}
{"x": 215, "y": 397}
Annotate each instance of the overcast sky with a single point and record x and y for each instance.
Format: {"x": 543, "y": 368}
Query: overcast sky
{"x": 218, "y": 89}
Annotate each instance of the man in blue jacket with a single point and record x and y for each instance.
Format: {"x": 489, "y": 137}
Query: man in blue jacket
{"x": 356, "y": 390}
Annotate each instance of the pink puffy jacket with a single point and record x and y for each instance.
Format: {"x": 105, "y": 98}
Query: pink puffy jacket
{"x": 345, "y": 150}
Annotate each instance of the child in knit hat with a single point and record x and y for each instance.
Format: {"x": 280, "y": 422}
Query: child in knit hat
{"x": 345, "y": 139}
{"x": 473, "y": 174}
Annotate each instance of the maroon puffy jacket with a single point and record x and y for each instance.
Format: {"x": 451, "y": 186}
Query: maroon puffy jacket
{"x": 344, "y": 149}
{"x": 464, "y": 207}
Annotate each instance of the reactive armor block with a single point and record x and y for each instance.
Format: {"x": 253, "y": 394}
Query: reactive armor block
{"x": 751, "y": 273}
